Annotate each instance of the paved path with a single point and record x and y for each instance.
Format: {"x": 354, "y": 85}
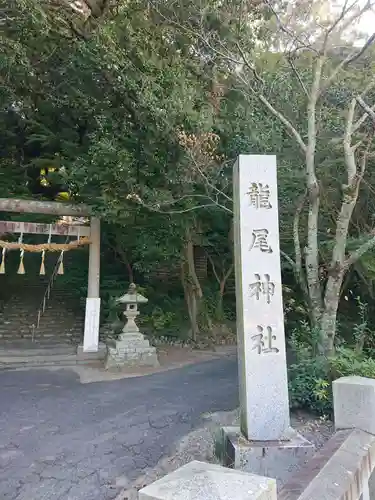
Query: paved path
{"x": 60, "y": 439}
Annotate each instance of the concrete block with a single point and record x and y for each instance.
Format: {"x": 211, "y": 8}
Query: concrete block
{"x": 276, "y": 459}
{"x": 202, "y": 481}
{"x": 354, "y": 403}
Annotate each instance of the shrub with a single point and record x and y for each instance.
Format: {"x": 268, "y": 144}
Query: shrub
{"x": 311, "y": 375}
{"x": 309, "y": 387}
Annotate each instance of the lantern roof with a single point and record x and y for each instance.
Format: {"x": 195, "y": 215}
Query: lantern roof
{"x": 132, "y": 297}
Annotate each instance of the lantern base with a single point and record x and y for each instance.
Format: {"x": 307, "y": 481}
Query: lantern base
{"x": 130, "y": 350}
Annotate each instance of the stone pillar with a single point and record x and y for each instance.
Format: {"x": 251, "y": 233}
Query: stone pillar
{"x": 94, "y": 260}
{"x": 201, "y": 481}
{"x": 260, "y": 314}
{"x": 354, "y": 403}
{"x": 354, "y": 408}
{"x": 92, "y": 316}
{"x": 265, "y": 443}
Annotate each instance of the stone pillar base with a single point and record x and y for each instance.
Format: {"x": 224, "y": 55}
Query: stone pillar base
{"x": 130, "y": 350}
{"x": 276, "y": 459}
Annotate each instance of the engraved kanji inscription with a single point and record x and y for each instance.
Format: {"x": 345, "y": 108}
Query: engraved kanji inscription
{"x": 263, "y": 340}
{"x": 259, "y": 195}
{"x": 262, "y": 287}
{"x": 260, "y": 240}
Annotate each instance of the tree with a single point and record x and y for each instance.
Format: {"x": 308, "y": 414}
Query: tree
{"x": 321, "y": 57}
{"x": 103, "y": 105}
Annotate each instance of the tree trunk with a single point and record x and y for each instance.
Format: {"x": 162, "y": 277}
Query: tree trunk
{"x": 126, "y": 262}
{"x": 190, "y": 282}
{"x": 191, "y": 301}
{"x": 222, "y": 285}
{"x": 219, "y": 305}
{"x": 312, "y": 249}
{"x": 336, "y": 273}
{"x": 339, "y": 265}
{"x": 329, "y": 317}
{"x": 312, "y": 258}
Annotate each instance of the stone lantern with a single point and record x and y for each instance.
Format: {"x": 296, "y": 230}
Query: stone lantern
{"x": 130, "y": 301}
{"x": 131, "y": 348}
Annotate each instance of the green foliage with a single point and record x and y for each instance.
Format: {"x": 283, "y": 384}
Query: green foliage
{"x": 307, "y": 377}
{"x": 160, "y": 321}
{"x": 103, "y": 103}
{"x": 308, "y": 374}
{"x": 348, "y": 362}
{"x": 311, "y": 375}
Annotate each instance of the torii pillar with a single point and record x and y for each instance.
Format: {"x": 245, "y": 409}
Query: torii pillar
{"x": 92, "y": 316}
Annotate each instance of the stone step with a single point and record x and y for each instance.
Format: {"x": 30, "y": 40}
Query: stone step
{"x": 50, "y": 338}
{"x": 41, "y": 338}
{"x": 46, "y": 326}
{"x": 26, "y": 319}
{"x": 23, "y": 315}
{"x": 51, "y": 329}
{"x": 33, "y": 349}
{"x": 44, "y": 361}
{"x": 62, "y": 320}
{"x": 38, "y": 293}
{"x": 49, "y": 355}
{"x": 61, "y": 339}
{"x": 30, "y": 307}
{"x": 39, "y": 343}
{"x": 33, "y": 360}
{"x": 35, "y": 295}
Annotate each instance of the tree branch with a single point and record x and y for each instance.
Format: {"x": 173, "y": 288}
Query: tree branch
{"x": 369, "y": 42}
{"x": 357, "y": 254}
{"x": 370, "y": 112}
{"x": 228, "y": 273}
{"x": 349, "y": 151}
{"x": 344, "y": 11}
{"x": 213, "y": 266}
{"x": 247, "y": 63}
{"x": 285, "y": 30}
{"x": 288, "y": 259}
{"x": 346, "y": 61}
{"x": 297, "y": 75}
{"x": 283, "y": 120}
{"x": 157, "y": 208}
{"x": 361, "y": 120}
{"x": 207, "y": 181}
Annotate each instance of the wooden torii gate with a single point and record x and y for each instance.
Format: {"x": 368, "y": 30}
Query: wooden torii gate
{"x": 92, "y": 315}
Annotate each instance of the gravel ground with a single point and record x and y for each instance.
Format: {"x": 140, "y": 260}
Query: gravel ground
{"x": 199, "y": 445}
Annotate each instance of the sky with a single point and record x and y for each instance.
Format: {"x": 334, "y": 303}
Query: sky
{"x": 367, "y": 24}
